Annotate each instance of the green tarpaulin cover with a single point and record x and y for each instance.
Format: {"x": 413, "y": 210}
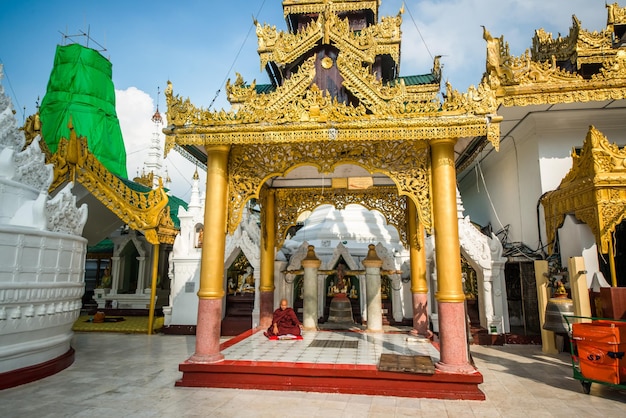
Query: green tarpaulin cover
{"x": 81, "y": 87}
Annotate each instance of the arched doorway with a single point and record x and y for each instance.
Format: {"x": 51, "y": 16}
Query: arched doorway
{"x": 240, "y": 294}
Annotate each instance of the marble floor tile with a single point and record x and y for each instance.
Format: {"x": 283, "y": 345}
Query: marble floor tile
{"x": 134, "y": 375}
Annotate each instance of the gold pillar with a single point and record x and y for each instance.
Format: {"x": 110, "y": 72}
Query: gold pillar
{"x": 155, "y": 272}
{"x": 417, "y": 250}
{"x": 211, "y": 290}
{"x": 450, "y": 296}
{"x": 268, "y": 244}
{"x": 419, "y": 283}
{"x": 448, "y": 249}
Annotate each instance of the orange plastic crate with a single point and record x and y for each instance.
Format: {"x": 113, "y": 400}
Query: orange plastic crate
{"x": 601, "y": 350}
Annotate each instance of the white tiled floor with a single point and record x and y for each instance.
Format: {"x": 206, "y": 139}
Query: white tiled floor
{"x": 370, "y": 346}
{"x": 133, "y": 376}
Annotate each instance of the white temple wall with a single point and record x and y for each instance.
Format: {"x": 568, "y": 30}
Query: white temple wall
{"x": 531, "y": 161}
{"x": 184, "y": 291}
{"x": 576, "y": 240}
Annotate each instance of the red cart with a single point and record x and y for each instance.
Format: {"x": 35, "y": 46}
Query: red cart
{"x": 598, "y": 350}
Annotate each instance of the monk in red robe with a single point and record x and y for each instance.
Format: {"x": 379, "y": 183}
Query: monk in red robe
{"x": 284, "y": 322}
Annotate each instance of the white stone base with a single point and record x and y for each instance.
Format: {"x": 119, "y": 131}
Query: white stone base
{"x": 41, "y": 286}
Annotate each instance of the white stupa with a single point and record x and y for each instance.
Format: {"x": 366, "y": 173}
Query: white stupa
{"x": 42, "y": 260}
{"x": 354, "y": 227}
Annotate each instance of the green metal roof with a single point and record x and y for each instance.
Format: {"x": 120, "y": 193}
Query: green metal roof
{"x": 173, "y": 202}
{"x": 416, "y": 80}
{"x": 265, "y": 88}
{"x": 104, "y": 246}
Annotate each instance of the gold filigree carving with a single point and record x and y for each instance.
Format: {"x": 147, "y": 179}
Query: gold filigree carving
{"x": 370, "y": 91}
{"x": 291, "y": 7}
{"x": 290, "y": 203}
{"x": 284, "y": 47}
{"x": 539, "y": 76}
{"x": 479, "y": 101}
{"x": 593, "y": 190}
{"x": 544, "y": 46}
{"x": 140, "y": 211}
{"x": 615, "y": 14}
{"x": 239, "y": 92}
{"x": 407, "y": 164}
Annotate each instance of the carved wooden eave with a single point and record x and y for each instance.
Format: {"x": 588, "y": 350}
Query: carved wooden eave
{"x": 292, "y": 7}
{"x": 146, "y": 212}
{"x": 284, "y": 48}
{"x": 594, "y": 190}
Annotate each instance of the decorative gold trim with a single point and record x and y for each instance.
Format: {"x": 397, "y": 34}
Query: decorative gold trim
{"x": 147, "y": 212}
{"x": 594, "y": 190}
{"x": 290, "y": 203}
{"x": 284, "y": 47}
{"x": 406, "y": 163}
{"x": 291, "y": 7}
{"x": 615, "y": 15}
{"x": 538, "y": 76}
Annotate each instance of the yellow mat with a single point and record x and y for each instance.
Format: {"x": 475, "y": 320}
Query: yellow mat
{"x": 130, "y": 324}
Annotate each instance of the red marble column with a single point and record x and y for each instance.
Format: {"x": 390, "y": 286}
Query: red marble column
{"x": 208, "y": 332}
{"x": 266, "y": 311}
{"x": 454, "y": 350}
{"x": 211, "y": 291}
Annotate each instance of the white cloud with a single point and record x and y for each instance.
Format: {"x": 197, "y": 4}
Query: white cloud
{"x": 452, "y": 28}
{"x": 135, "y": 109}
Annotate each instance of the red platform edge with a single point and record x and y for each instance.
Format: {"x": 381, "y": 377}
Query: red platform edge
{"x": 36, "y": 372}
{"x": 328, "y": 378}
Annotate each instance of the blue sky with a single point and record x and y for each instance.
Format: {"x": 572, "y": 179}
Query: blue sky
{"x": 195, "y": 44}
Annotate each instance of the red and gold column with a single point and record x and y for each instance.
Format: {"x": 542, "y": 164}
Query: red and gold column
{"x": 450, "y": 296}
{"x": 419, "y": 284}
{"x": 268, "y": 243}
{"x": 211, "y": 291}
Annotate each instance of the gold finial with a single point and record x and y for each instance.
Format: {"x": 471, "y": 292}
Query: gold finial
{"x": 371, "y": 253}
{"x": 310, "y": 253}
{"x": 195, "y": 174}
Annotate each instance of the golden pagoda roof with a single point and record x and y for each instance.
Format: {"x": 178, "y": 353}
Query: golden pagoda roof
{"x": 581, "y": 67}
{"x": 271, "y": 131}
{"x": 291, "y": 7}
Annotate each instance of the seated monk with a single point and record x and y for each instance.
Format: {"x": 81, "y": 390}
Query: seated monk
{"x": 284, "y": 322}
